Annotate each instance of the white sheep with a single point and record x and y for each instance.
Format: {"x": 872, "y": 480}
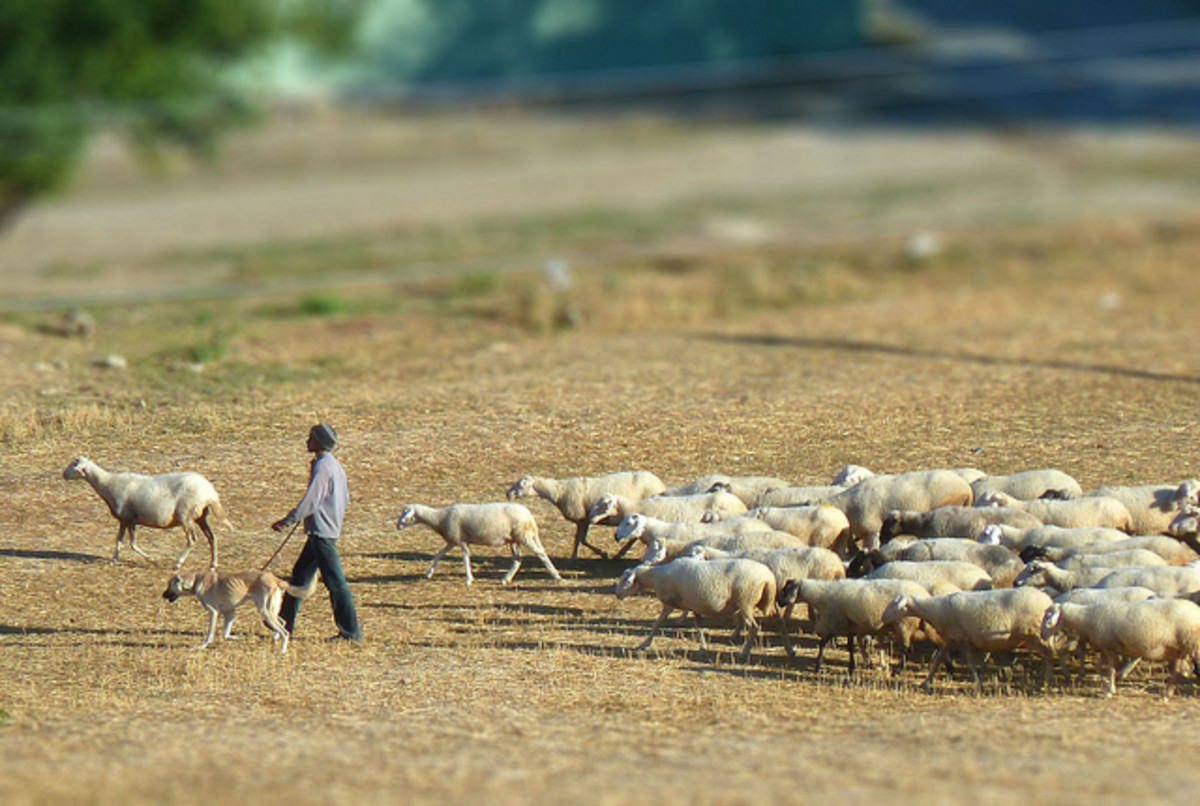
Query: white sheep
{"x": 851, "y": 607}
{"x": 850, "y": 475}
{"x": 797, "y": 496}
{"x": 1045, "y": 574}
{"x": 822, "y": 526}
{"x": 1186, "y": 525}
{"x": 1096, "y": 510}
{"x": 613, "y": 508}
{"x": 731, "y": 543}
{"x": 747, "y": 488}
{"x": 1019, "y": 539}
{"x": 1000, "y": 563}
{"x": 867, "y": 503}
{"x": 1110, "y": 559}
{"x": 953, "y": 521}
{"x": 1165, "y": 580}
{"x": 574, "y": 497}
{"x": 1152, "y": 506}
{"x": 936, "y": 576}
{"x": 1000, "y": 620}
{"x": 638, "y": 526}
{"x": 185, "y": 499}
{"x": 1170, "y": 549}
{"x": 712, "y": 588}
{"x": 491, "y": 524}
{"x": 1154, "y": 629}
{"x": 1030, "y": 484}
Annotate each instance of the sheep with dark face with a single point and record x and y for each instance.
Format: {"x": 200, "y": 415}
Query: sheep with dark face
{"x": 575, "y": 497}
{"x": 867, "y": 503}
{"x": 187, "y": 500}
{"x": 1168, "y": 548}
{"x": 953, "y": 521}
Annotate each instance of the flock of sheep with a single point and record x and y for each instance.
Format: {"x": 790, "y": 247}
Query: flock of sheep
{"x": 1026, "y": 562}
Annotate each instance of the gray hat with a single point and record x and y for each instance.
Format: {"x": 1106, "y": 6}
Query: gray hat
{"x": 324, "y": 435}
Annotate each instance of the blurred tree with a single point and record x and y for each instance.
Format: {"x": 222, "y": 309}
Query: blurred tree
{"x": 155, "y": 69}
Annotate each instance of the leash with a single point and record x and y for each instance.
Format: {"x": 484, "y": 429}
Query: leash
{"x": 281, "y": 545}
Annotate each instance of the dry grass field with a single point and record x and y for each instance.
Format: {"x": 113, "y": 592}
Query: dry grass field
{"x": 1067, "y": 345}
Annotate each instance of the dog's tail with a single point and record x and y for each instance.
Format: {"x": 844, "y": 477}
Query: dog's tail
{"x": 302, "y": 593}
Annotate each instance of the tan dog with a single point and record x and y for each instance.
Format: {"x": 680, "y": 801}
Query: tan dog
{"x": 224, "y": 593}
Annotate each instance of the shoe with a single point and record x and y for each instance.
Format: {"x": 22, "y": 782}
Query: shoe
{"x": 350, "y": 639}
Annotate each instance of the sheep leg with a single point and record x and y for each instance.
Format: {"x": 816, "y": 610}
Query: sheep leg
{"x": 581, "y": 530}
{"x": 973, "y": 664}
{"x": 850, "y": 643}
{"x": 117, "y": 551}
{"x": 545, "y": 559}
{"x": 938, "y": 657}
{"x": 700, "y": 631}
{"x": 787, "y": 633}
{"x": 133, "y": 543}
{"x": 1110, "y": 663}
{"x": 516, "y": 563}
{"x": 467, "y": 564}
{"x": 202, "y": 521}
{"x": 187, "y": 549}
{"x": 821, "y": 652}
{"x": 436, "y": 559}
{"x": 662, "y": 617}
{"x": 1127, "y": 667}
{"x": 751, "y": 635}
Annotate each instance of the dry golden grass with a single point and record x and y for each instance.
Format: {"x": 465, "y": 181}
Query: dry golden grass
{"x": 1068, "y": 347}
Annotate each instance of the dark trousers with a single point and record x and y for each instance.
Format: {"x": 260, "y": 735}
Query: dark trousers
{"x": 321, "y": 554}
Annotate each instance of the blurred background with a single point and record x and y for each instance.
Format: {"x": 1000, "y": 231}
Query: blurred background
{"x": 257, "y": 147}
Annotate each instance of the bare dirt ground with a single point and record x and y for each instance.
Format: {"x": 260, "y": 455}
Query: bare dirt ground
{"x": 1062, "y": 345}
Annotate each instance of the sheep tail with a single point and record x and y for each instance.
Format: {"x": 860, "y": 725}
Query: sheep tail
{"x": 217, "y": 511}
{"x": 766, "y": 602}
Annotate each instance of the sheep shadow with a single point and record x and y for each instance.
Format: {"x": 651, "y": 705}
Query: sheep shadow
{"x": 46, "y": 554}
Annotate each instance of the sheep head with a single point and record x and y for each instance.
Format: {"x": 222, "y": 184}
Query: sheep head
{"x": 994, "y": 498}
{"x": 627, "y": 584}
{"x": 1032, "y": 574}
{"x": 633, "y": 527}
{"x": 1186, "y": 523}
{"x": 521, "y": 488}
{"x": 77, "y": 469}
{"x": 850, "y": 475}
{"x": 992, "y": 535}
{"x": 1050, "y": 621}
{"x": 655, "y": 553}
{"x": 407, "y": 516}
{"x": 788, "y": 594}
{"x": 900, "y": 607}
{"x": 1188, "y": 492}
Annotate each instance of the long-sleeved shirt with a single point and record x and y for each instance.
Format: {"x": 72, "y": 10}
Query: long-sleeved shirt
{"x": 324, "y": 502}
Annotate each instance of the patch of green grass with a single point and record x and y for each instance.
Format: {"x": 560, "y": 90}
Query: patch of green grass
{"x": 323, "y": 305}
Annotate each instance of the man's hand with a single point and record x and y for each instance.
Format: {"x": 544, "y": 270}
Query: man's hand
{"x": 279, "y": 526}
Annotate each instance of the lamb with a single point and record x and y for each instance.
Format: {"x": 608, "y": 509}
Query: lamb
{"x": 1170, "y": 549}
{"x": 936, "y": 576}
{"x": 1069, "y": 513}
{"x": 867, "y": 503}
{"x": 1000, "y": 563}
{"x": 980, "y": 621}
{"x": 714, "y": 588}
{"x": 614, "y": 508}
{"x": 1030, "y": 484}
{"x": 1152, "y": 506}
{"x": 850, "y": 607}
{"x": 574, "y": 497}
{"x": 491, "y": 524}
{"x": 953, "y": 521}
{"x": 1154, "y": 629}
{"x": 747, "y": 488}
{"x": 185, "y": 499}
{"x": 1049, "y": 536}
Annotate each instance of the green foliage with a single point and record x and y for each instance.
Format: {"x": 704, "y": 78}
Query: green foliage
{"x": 322, "y": 305}
{"x": 153, "y": 68}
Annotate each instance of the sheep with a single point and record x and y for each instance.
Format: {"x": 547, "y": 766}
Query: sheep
{"x": 614, "y": 508}
{"x": 798, "y": 496}
{"x": 1043, "y": 574}
{"x": 980, "y": 621}
{"x": 1154, "y": 629}
{"x": 574, "y": 497}
{"x": 730, "y": 543}
{"x": 1186, "y": 525}
{"x": 1028, "y": 485}
{"x": 1000, "y": 563}
{"x": 491, "y": 524}
{"x": 637, "y": 526}
{"x": 1049, "y": 536}
{"x": 867, "y": 503}
{"x": 820, "y": 525}
{"x": 850, "y": 475}
{"x": 937, "y": 576}
{"x": 1152, "y": 506}
{"x": 1165, "y": 580}
{"x": 1069, "y": 513}
{"x": 747, "y": 488}
{"x": 953, "y": 521}
{"x": 1171, "y": 550}
{"x": 850, "y": 607}
{"x": 185, "y": 499}
{"x": 714, "y": 588}
{"x": 1106, "y": 559}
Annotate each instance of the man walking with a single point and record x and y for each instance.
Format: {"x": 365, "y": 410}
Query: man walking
{"x": 322, "y": 509}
